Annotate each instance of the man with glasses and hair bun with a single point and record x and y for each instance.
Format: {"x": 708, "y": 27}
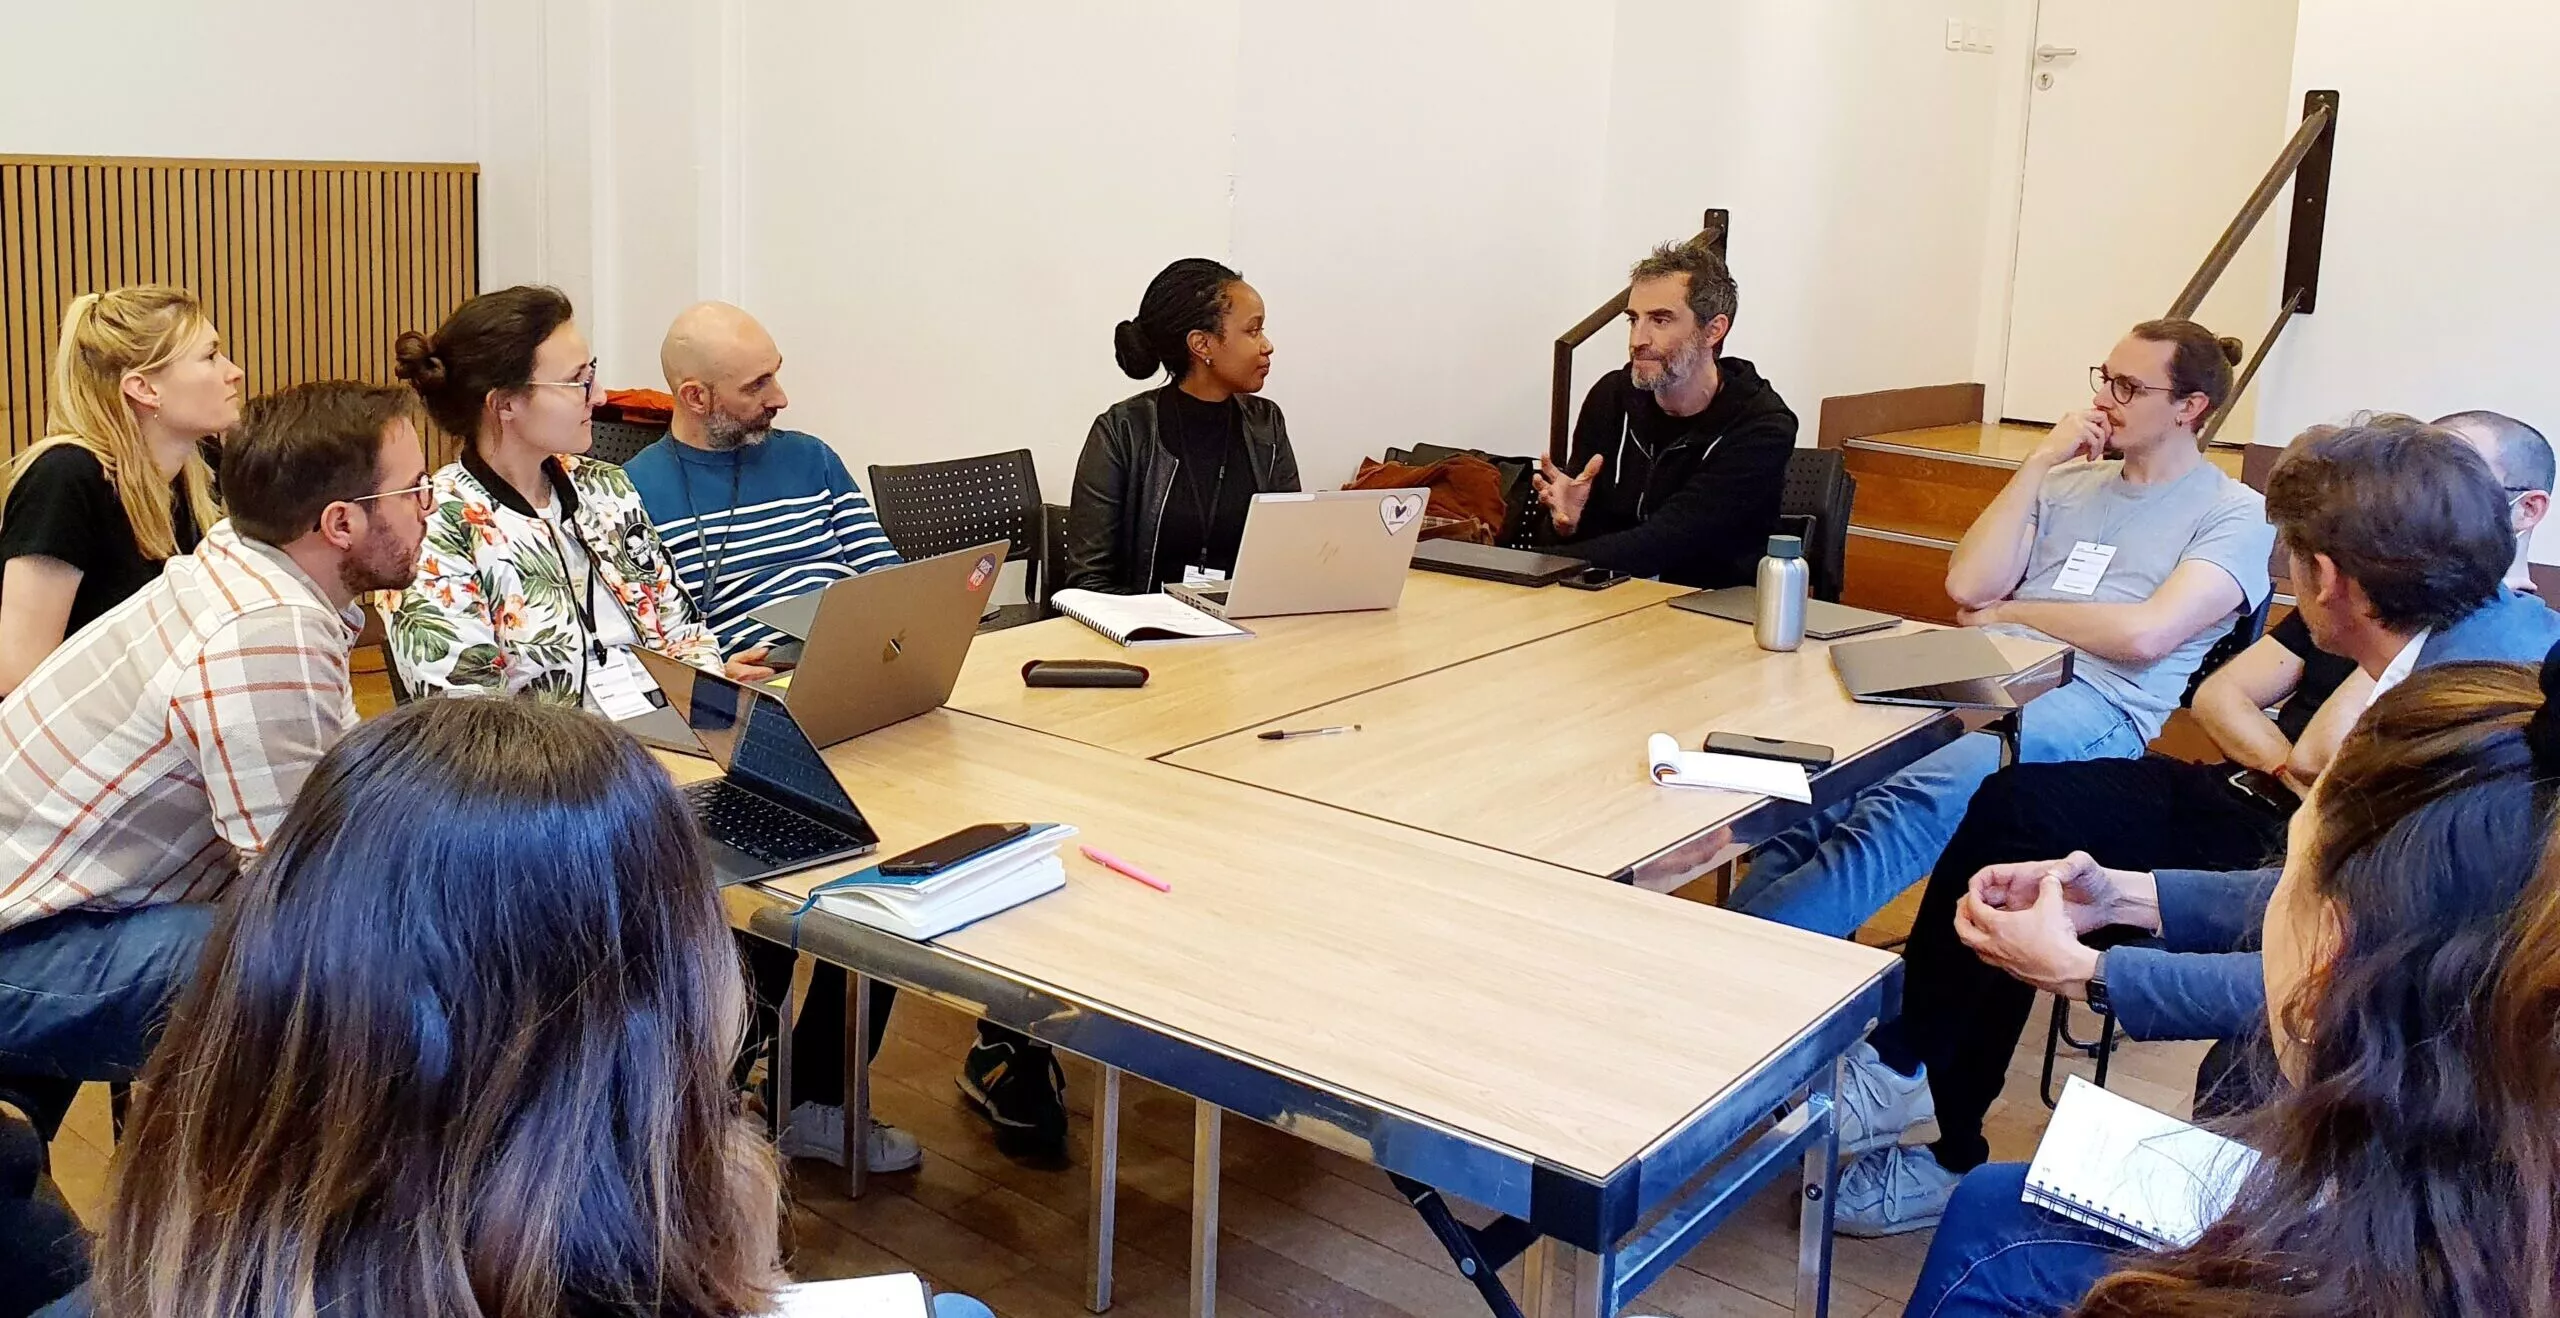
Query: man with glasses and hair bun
{"x": 147, "y": 759}
{"x": 2114, "y": 537}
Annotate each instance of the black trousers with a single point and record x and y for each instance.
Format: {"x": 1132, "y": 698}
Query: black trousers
{"x": 1962, "y": 1018}
{"x": 817, "y": 1038}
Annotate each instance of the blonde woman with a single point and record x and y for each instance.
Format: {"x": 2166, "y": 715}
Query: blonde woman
{"x": 118, "y": 486}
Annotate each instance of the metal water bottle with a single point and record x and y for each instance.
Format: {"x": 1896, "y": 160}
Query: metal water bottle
{"x": 1778, "y": 619}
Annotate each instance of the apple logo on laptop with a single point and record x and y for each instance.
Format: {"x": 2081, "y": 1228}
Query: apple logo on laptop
{"x": 897, "y": 646}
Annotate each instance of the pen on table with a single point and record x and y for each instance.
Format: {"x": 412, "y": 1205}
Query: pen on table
{"x": 1118, "y": 866}
{"x": 1277, "y": 734}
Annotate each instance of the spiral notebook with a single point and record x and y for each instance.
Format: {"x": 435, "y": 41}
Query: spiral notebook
{"x": 1157, "y": 619}
{"x": 897, "y": 1295}
{"x": 2140, "y": 1175}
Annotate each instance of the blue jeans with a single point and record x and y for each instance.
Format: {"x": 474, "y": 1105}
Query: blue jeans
{"x": 1996, "y": 1254}
{"x": 1833, "y": 872}
{"x": 83, "y": 995}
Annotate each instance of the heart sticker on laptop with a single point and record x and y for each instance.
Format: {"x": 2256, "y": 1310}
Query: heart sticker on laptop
{"x": 1399, "y": 510}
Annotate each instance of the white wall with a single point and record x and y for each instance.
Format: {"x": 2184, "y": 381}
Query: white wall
{"x": 2439, "y": 274}
{"x": 278, "y": 79}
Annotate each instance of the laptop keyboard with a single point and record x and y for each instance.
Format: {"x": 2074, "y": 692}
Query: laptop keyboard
{"x": 774, "y": 834}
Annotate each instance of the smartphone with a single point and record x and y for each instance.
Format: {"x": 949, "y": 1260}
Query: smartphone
{"x": 1765, "y": 748}
{"x": 944, "y": 852}
{"x": 1594, "y": 578}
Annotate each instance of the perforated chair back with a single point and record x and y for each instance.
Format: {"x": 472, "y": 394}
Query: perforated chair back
{"x": 933, "y": 508}
{"x": 2243, "y": 634}
{"x": 1820, "y": 494}
{"x": 619, "y": 442}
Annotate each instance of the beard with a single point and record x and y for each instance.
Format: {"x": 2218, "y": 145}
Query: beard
{"x": 1657, "y": 375}
{"x": 725, "y": 432}
{"x": 385, "y": 561}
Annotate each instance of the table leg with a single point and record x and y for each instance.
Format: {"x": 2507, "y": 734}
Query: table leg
{"x": 1205, "y": 1132}
{"x": 857, "y": 1081}
{"x": 1103, "y": 1216}
{"x": 1821, "y": 1183}
{"x": 783, "y": 1011}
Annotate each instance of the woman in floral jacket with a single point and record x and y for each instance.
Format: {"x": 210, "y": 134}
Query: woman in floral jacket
{"x": 540, "y": 570}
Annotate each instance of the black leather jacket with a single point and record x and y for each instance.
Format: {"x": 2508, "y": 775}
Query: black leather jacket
{"x": 1124, "y": 478}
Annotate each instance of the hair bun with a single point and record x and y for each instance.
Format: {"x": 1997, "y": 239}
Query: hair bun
{"x": 2233, "y": 351}
{"x": 415, "y": 360}
{"x": 1129, "y": 346}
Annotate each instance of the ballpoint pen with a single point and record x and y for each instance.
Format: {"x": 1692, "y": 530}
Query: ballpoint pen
{"x": 1277, "y": 734}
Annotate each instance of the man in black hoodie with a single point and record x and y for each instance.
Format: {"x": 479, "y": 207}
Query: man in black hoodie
{"x": 1679, "y": 459}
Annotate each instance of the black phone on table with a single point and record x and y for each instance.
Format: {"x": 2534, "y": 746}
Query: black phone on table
{"x": 944, "y": 852}
{"x": 1594, "y": 578}
{"x": 1769, "y": 748}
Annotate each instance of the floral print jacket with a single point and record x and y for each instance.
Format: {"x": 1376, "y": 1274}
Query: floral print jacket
{"x": 494, "y": 609}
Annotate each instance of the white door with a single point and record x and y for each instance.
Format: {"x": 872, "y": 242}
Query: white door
{"x": 2147, "y": 125}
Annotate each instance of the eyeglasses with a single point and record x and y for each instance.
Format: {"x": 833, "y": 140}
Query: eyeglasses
{"x": 584, "y": 384}
{"x": 423, "y": 494}
{"x": 2125, "y": 388}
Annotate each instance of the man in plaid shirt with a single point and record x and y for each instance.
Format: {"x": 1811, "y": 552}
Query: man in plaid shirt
{"x": 153, "y": 754}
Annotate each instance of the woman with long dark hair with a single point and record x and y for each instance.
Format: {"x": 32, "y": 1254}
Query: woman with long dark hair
{"x": 1167, "y": 475}
{"x": 2411, "y": 1157}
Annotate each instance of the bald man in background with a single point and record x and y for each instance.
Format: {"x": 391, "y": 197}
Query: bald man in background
{"x": 2521, "y": 459}
{"x": 752, "y": 515}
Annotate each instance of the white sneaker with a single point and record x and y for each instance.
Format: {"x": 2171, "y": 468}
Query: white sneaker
{"x": 1890, "y": 1191}
{"x": 1877, "y": 1105}
{"x": 816, "y": 1130}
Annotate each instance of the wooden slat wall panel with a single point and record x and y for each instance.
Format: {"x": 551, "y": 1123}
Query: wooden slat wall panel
{"x": 309, "y": 269}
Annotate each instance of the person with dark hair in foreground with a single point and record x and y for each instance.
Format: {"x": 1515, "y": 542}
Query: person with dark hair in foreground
{"x": 2397, "y": 539}
{"x": 1679, "y": 459}
{"x": 2411, "y": 1153}
{"x": 151, "y": 755}
{"x": 1168, "y": 475}
{"x": 2139, "y": 563}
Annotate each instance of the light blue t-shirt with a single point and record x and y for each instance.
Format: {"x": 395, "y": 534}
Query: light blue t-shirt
{"x": 2202, "y": 515}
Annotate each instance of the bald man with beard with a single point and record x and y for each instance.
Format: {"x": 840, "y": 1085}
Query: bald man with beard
{"x": 752, "y": 515}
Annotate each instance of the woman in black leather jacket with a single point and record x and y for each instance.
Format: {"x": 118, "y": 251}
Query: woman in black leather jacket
{"x": 1168, "y": 475}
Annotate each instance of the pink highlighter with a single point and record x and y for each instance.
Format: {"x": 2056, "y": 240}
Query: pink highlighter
{"x": 1118, "y": 866}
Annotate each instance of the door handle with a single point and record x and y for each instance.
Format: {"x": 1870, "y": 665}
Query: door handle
{"x": 2050, "y": 53}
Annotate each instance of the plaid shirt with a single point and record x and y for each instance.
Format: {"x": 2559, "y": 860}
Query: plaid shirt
{"x": 154, "y": 751}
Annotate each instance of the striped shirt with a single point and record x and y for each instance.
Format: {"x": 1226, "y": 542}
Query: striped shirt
{"x": 158, "y": 748}
{"x": 752, "y": 526}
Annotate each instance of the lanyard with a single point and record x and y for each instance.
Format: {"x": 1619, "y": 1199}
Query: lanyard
{"x": 729, "y": 528}
{"x": 589, "y": 643}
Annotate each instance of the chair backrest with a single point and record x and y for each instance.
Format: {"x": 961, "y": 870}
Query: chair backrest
{"x": 2243, "y": 634}
{"x": 619, "y": 442}
{"x": 933, "y": 508}
{"x": 1820, "y": 494}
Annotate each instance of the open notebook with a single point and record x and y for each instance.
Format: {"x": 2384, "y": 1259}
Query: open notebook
{"x": 1156, "y": 619}
{"x": 1670, "y": 766}
{"x": 897, "y": 1295}
{"x": 2131, "y": 1172}
{"x": 929, "y": 906}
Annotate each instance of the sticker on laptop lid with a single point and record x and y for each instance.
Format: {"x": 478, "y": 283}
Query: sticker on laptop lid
{"x": 1399, "y": 510}
{"x": 986, "y": 568}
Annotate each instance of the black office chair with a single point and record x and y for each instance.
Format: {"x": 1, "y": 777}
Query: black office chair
{"x": 1819, "y": 495}
{"x": 2058, "y": 1035}
{"x": 619, "y": 442}
{"x": 933, "y": 508}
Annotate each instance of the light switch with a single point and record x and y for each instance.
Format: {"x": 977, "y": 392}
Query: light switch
{"x": 1955, "y": 34}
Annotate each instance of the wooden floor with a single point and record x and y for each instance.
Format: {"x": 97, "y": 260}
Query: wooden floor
{"x": 1304, "y": 1232}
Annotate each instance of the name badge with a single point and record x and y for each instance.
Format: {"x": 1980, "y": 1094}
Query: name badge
{"x": 619, "y": 688}
{"x": 2081, "y": 571}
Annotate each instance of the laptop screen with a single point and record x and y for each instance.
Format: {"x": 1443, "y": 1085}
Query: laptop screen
{"x": 753, "y": 737}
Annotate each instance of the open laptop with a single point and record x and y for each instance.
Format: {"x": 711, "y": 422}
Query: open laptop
{"x": 884, "y": 646}
{"x": 1950, "y": 668}
{"x": 1823, "y": 620}
{"x": 776, "y": 808}
{"x": 1334, "y": 552}
{"x": 1516, "y": 567}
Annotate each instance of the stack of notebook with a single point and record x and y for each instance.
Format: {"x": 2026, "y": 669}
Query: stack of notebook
{"x": 931, "y": 905}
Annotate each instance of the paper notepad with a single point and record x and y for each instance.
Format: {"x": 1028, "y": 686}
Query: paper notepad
{"x": 1156, "y": 619}
{"x": 898, "y": 1295}
{"x": 1671, "y": 766}
{"x": 2133, "y": 1173}
{"x": 931, "y": 905}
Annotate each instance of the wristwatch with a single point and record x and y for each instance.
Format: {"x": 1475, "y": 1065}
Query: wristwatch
{"x": 2096, "y": 989}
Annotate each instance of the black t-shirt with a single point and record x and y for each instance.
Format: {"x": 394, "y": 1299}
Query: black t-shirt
{"x": 1212, "y": 483}
{"x": 63, "y": 507}
{"x": 2321, "y": 674}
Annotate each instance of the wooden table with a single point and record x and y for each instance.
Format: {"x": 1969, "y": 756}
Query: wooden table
{"x": 1199, "y": 691}
{"x": 1539, "y": 750}
{"x": 1572, "y": 1054}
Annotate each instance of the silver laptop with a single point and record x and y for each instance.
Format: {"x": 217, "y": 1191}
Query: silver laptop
{"x": 884, "y": 646}
{"x": 1335, "y": 552}
{"x": 1823, "y": 621}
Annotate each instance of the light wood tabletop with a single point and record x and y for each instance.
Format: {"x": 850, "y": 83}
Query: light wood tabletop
{"x": 1520, "y": 1003}
{"x": 1202, "y": 690}
{"x": 1540, "y": 751}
